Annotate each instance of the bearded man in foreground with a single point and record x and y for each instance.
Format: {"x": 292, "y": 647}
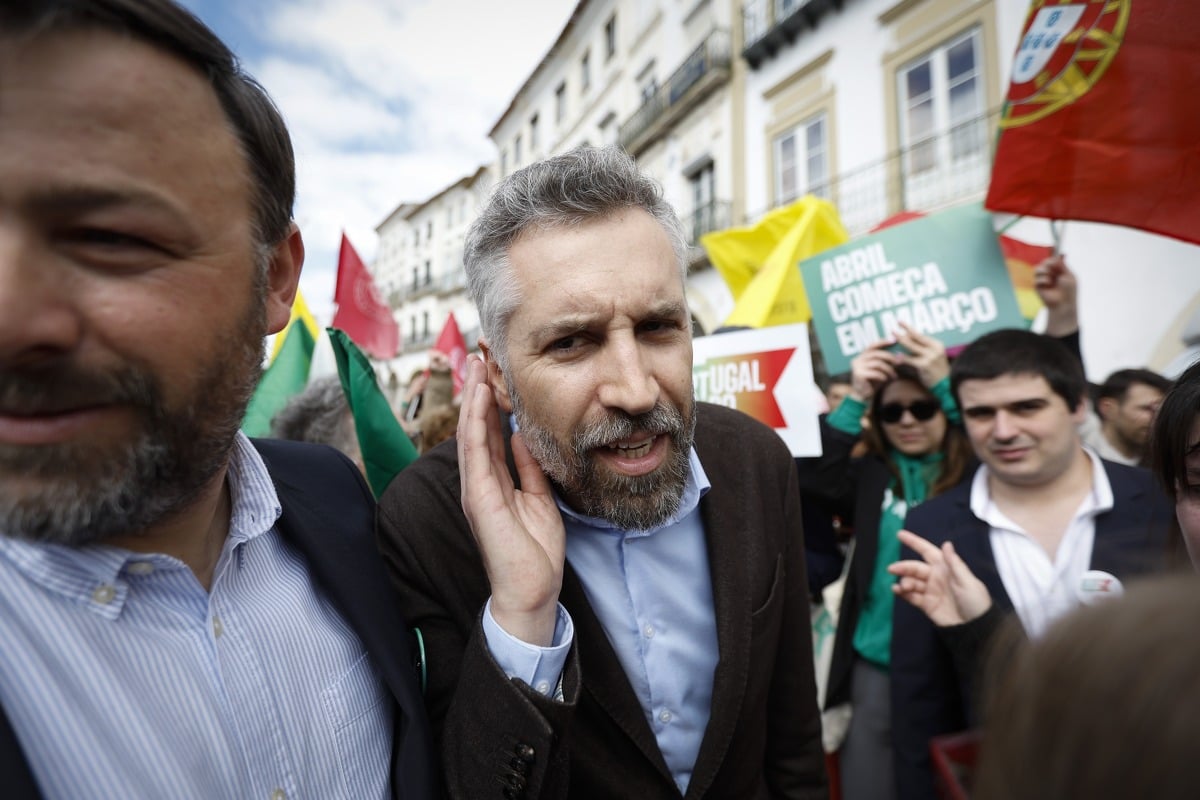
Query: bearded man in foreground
{"x": 608, "y": 577}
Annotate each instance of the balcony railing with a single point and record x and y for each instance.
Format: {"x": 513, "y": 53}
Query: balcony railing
{"x": 769, "y": 25}
{"x": 706, "y": 219}
{"x": 939, "y": 171}
{"x": 706, "y": 68}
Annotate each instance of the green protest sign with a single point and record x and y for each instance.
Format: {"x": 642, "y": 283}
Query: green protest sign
{"x": 943, "y": 274}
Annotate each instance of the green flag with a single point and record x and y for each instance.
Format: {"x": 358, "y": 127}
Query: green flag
{"x": 287, "y": 375}
{"x": 386, "y": 448}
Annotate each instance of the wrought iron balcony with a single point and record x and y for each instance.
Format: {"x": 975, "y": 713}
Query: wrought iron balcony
{"x": 707, "y": 218}
{"x": 705, "y": 69}
{"x": 769, "y": 25}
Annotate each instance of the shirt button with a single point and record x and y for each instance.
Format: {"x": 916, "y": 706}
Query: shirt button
{"x": 218, "y": 629}
{"x": 664, "y": 716}
{"x": 279, "y": 794}
{"x": 103, "y": 594}
{"x": 648, "y": 631}
{"x": 140, "y": 568}
{"x": 543, "y": 687}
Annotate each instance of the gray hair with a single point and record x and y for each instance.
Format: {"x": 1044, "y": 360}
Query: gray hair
{"x": 319, "y": 414}
{"x": 581, "y": 185}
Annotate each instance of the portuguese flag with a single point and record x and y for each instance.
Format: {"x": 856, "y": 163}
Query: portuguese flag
{"x": 1101, "y": 119}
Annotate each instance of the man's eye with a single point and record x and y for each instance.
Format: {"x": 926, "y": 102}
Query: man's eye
{"x": 107, "y": 238}
{"x": 566, "y": 343}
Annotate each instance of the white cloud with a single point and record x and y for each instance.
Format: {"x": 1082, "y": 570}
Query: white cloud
{"x": 389, "y": 101}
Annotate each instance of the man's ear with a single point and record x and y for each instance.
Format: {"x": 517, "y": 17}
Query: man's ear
{"x": 1105, "y": 407}
{"x": 496, "y": 377}
{"x": 283, "y": 278}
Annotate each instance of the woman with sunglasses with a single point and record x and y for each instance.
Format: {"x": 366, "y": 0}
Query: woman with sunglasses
{"x": 916, "y": 450}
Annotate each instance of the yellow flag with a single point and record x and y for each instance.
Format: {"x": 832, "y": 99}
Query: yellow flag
{"x": 759, "y": 262}
{"x": 299, "y": 312}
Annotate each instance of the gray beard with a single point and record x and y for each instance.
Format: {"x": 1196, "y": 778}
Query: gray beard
{"x": 634, "y": 503}
{"x": 90, "y": 493}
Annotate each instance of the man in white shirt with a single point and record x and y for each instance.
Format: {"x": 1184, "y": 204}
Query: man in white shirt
{"x": 1045, "y": 524}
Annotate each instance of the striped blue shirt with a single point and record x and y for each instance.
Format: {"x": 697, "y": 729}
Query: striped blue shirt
{"x": 123, "y": 677}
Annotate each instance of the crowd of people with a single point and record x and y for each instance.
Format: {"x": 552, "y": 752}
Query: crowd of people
{"x": 598, "y": 588}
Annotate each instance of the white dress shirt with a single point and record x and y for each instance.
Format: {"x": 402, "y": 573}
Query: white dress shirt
{"x": 1043, "y": 589}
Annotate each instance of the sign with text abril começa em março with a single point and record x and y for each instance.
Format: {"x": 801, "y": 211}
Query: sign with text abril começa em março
{"x": 943, "y": 274}
{"x": 767, "y": 373}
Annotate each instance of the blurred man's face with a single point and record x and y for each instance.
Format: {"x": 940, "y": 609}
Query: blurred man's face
{"x": 1128, "y": 421}
{"x": 836, "y": 394}
{"x": 599, "y": 371}
{"x": 130, "y": 326}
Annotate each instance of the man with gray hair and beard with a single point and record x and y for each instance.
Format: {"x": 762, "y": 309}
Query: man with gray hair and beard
{"x": 183, "y": 612}
{"x": 608, "y": 576}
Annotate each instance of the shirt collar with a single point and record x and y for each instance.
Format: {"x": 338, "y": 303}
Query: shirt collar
{"x": 696, "y": 486}
{"x": 1098, "y": 501}
{"x": 97, "y": 575}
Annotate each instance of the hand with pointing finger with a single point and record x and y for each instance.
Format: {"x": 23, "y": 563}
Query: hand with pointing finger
{"x": 941, "y": 585}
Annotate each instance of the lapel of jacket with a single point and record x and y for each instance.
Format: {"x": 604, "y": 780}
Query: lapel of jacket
{"x": 317, "y": 521}
{"x": 15, "y": 774}
{"x": 724, "y": 510}
{"x": 973, "y": 542}
{"x": 352, "y": 578}
{"x": 1121, "y": 533}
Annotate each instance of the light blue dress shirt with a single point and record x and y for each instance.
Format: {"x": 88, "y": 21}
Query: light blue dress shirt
{"x": 652, "y": 592}
{"x": 123, "y": 677}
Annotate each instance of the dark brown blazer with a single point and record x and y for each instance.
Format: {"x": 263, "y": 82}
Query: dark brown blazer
{"x": 498, "y": 738}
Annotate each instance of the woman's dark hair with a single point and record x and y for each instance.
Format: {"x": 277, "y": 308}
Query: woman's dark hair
{"x": 1173, "y": 422}
{"x": 956, "y": 449}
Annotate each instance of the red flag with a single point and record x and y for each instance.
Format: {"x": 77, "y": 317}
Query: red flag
{"x": 450, "y": 341}
{"x": 361, "y": 312}
{"x": 1101, "y": 121}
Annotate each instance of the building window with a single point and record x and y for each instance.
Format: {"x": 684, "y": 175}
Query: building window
{"x": 609, "y": 129}
{"x": 412, "y": 328}
{"x": 703, "y": 202}
{"x": 517, "y": 151}
{"x": 610, "y": 37}
{"x": 649, "y": 89}
{"x": 533, "y": 133}
{"x": 503, "y": 163}
{"x": 428, "y": 272}
{"x": 416, "y": 278}
{"x": 941, "y": 106}
{"x": 560, "y": 102}
{"x": 429, "y": 231}
{"x": 424, "y": 324}
{"x": 585, "y": 71}
{"x": 801, "y": 157}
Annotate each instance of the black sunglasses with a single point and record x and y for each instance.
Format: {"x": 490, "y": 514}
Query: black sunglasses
{"x": 922, "y": 410}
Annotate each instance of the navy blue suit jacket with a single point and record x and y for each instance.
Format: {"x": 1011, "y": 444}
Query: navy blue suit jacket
{"x": 329, "y": 516}
{"x": 932, "y": 693}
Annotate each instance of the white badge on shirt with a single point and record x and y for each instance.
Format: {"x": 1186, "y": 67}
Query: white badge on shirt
{"x": 1096, "y": 585}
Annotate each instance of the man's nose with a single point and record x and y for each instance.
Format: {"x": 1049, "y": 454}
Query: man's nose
{"x": 627, "y": 381}
{"x": 1004, "y": 427}
{"x": 38, "y": 316}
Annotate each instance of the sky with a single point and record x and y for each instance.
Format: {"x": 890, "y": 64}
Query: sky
{"x": 387, "y": 101}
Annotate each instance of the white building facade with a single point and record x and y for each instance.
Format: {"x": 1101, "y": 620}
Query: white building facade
{"x": 883, "y": 106}
{"x": 419, "y": 268}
